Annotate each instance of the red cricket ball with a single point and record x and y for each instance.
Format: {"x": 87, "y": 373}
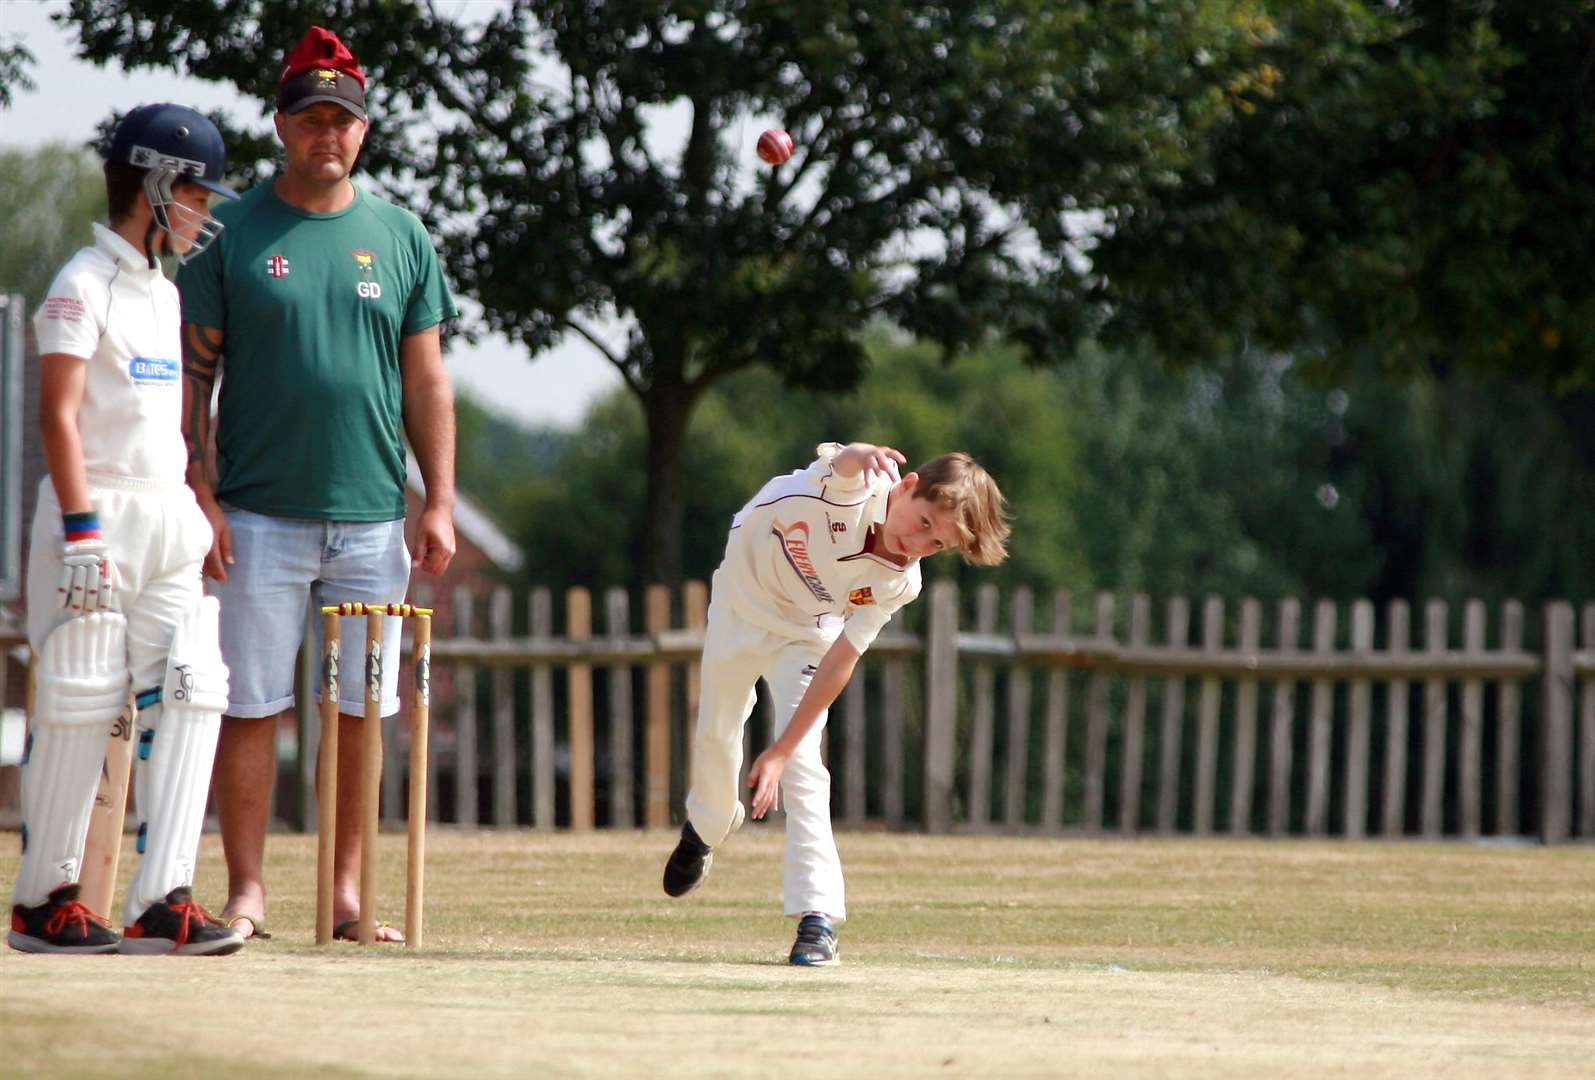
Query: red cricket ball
{"x": 775, "y": 146}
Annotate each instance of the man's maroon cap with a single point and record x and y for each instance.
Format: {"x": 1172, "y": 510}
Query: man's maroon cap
{"x": 321, "y": 68}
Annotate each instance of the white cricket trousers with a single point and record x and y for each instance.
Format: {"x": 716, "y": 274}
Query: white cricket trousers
{"x": 736, "y": 655}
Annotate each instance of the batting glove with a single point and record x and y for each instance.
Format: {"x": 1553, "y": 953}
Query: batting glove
{"x": 88, "y": 577}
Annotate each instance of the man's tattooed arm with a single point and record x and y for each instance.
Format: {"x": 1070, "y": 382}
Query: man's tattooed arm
{"x": 202, "y": 353}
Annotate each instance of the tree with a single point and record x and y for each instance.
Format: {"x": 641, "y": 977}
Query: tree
{"x": 51, "y": 194}
{"x": 949, "y": 157}
{"x": 1406, "y": 185}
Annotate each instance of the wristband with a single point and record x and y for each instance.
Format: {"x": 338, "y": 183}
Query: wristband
{"x": 84, "y": 526}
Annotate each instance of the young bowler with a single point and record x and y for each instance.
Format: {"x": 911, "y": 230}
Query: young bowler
{"x": 815, "y": 566}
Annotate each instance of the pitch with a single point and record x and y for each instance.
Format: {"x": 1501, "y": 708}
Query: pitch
{"x": 558, "y": 955}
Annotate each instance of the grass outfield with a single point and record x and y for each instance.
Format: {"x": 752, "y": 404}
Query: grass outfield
{"x": 965, "y": 956}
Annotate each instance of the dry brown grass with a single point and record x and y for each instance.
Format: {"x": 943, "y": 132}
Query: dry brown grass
{"x": 558, "y": 955}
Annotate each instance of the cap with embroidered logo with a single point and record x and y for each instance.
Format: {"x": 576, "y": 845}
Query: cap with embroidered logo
{"x": 321, "y": 68}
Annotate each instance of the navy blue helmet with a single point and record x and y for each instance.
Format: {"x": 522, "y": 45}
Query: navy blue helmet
{"x": 171, "y": 143}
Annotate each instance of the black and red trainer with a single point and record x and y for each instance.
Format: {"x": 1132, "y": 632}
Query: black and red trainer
{"x": 178, "y": 926}
{"x": 62, "y": 924}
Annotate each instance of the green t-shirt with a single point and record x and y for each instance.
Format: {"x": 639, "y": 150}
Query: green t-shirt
{"x": 313, "y": 307}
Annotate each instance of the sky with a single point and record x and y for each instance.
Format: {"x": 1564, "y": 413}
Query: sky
{"x": 556, "y": 388}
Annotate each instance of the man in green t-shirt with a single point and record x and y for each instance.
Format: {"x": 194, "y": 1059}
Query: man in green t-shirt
{"x": 321, "y": 308}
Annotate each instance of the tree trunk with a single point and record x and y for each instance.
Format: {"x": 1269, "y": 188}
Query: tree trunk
{"x": 667, "y": 409}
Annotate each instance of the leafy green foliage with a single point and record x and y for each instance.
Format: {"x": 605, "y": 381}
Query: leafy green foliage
{"x": 1408, "y": 184}
{"x": 51, "y": 194}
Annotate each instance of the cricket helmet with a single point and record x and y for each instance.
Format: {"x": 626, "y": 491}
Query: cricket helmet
{"x": 170, "y": 143}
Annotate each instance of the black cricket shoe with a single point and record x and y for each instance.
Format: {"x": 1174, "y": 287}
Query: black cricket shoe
{"x": 62, "y": 924}
{"x": 688, "y": 865}
{"x": 179, "y": 927}
{"x": 816, "y": 943}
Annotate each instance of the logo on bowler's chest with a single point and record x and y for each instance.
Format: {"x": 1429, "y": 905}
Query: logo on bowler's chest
{"x": 152, "y": 370}
{"x": 794, "y": 540}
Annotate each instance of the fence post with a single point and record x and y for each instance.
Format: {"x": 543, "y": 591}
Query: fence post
{"x": 984, "y": 693}
{"x": 1556, "y": 724}
{"x": 941, "y": 707}
{"x": 540, "y": 622}
{"x": 1207, "y": 721}
{"x": 1054, "y": 768}
{"x": 1244, "y": 764}
{"x": 1432, "y": 816}
{"x": 1282, "y": 733}
{"x": 1177, "y": 632}
{"x": 656, "y": 791}
{"x": 1359, "y": 707}
{"x": 1094, "y": 785}
{"x": 622, "y": 800}
{"x": 1016, "y": 792}
{"x": 1134, "y": 721}
{"x": 1471, "y": 748}
{"x": 1508, "y": 731}
{"x": 1319, "y": 718}
{"x": 499, "y": 622}
{"x": 1393, "y": 822}
{"x": 579, "y": 702}
{"x": 465, "y": 802}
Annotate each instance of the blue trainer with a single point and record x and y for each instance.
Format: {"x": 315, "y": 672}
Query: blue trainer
{"x": 816, "y": 943}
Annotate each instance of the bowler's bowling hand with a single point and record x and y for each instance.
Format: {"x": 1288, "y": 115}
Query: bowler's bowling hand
{"x": 871, "y": 460}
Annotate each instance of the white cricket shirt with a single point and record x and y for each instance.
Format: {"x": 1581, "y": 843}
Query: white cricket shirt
{"x": 795, "y": 562}
{"x": 108, "y": 306}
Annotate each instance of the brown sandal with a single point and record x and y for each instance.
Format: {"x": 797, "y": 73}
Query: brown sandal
{"x": 349, "y": 930}
{"x": 257, "y": 926}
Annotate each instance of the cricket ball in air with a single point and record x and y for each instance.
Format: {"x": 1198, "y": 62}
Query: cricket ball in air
{"x": 775, "y": 146}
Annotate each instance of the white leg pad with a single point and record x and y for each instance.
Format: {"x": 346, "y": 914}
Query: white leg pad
{"x": 175, "y": 779}
{"x": 82, "y": 686}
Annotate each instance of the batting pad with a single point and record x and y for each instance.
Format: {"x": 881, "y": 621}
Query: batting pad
{"x": 174, "y": 780}
{"x": 82, "y": 686}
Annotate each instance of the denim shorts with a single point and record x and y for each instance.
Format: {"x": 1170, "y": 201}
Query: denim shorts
{"x": 282, "y": 565}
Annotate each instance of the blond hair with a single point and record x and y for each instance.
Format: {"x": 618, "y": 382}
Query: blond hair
{"x": 956, "y": 482}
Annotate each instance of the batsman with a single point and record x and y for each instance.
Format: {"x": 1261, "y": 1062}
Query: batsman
{"x": 114, "y": 594}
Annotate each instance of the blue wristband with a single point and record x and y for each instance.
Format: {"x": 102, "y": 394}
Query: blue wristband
{"x": 84, "y": 526}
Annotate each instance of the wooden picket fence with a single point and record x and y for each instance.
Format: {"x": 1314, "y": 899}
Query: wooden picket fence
{"x": 957, "y": 720}
{"x": 1100, "y": 730}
